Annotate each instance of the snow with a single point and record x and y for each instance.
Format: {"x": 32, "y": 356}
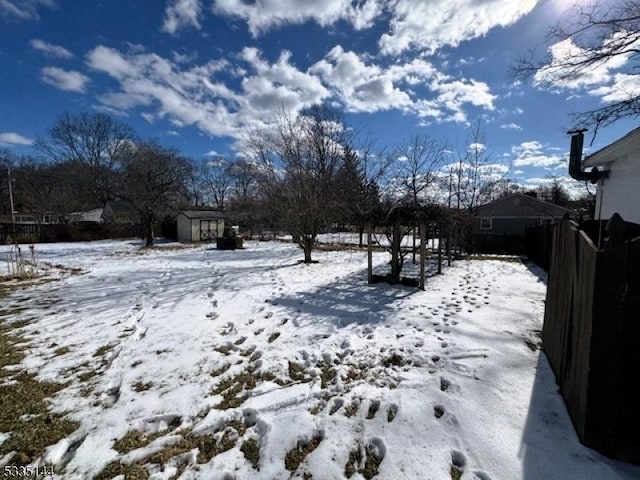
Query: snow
{"x": 153, "y": 330}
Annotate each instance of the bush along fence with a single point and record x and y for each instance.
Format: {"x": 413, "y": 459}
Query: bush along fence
{"x": 592, "y": 330}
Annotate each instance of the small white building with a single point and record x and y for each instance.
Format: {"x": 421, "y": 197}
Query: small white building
{"x": 200, "y": 225}
{"x": 620, "y": 192}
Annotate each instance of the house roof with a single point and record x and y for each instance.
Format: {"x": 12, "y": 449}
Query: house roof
{"x": 520, "y": 205}
{"x": 120, "y": 206}
{"x": 94, "y": 216}
{"x": 619, "y": 149}
{"x": 202, "y": 214}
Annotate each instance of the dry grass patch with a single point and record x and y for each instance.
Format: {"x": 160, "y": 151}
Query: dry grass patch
{"x": 208, "y": 446}
{"x": 368, "y": 469}
{"x": 373, "y": 409}
{"x": 296, "y": 455}
{"x": 26, "y": 416}
{"x": 61, "y": 351}
{"x": 141, "y": 386}
{"x": 251, "y": 450}
{"x": 233, "y": 389}
{"x": 103, "y": 350}
{"x": 351, "y": 409}
{"x": 134, "y": 440}
{"x": 224, "y": 349}
{"x": 327, "y": 375}
{"x": 296, "y": 371}
{"x": 273, "y": 337}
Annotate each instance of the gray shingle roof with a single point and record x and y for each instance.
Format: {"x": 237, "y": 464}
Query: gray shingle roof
{"x": 520, "y": 205}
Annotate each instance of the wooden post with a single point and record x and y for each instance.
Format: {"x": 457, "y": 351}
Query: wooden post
{"x": 369, "y": 256}
{"x": 396, "y": 240}
{"x": 439, "y": 251}
{"x": 423, "y": 251}
{"x": 414, "y": 243}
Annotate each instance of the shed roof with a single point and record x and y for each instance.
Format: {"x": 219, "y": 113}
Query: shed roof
{"x": 520, "y": 205}
{"x": 621, "y": 148}
{"x": 202, "y": 214}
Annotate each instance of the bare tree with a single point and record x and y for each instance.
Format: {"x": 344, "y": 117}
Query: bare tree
{"x": 194, "y": 188}
{"x": 218, "y": 180}
{"x": 96, "y": 142}
{"x": 154, "y": 176}
{"x": 474, "y": 177}
{"x": 417, "y": 163}
{"x": 597, "y": 36}
{"x": 300, "y": 157}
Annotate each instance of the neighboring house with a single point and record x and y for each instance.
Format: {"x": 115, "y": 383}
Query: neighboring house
{"x": 619, "y": 192}
{"x": 200, "y": 225}
{"x": 500, "y": 225}
{"x": 116, "y": 212}
{"x": 120, "y": 212}
{"x": 90, "y": 216}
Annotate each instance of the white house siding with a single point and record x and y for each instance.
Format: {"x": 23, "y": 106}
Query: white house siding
{"x": 620, "y": 193}
{"x": 191, "y": 224}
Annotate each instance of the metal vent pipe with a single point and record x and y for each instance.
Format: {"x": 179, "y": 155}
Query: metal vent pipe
{"x": 575, "y": 160}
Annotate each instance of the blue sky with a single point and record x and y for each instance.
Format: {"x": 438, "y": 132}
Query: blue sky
{"x": 196, "y": 74}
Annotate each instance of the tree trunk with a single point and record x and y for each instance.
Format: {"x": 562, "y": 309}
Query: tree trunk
{"x": 361, "y": 232}
{"x": 307, "y": 247}
{"x": 149, "y": 229}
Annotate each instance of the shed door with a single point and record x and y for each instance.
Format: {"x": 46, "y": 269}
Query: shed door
{"x": 208, "y": 230}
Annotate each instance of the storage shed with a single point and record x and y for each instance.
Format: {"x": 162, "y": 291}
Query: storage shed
{"x": 200, "y": 225}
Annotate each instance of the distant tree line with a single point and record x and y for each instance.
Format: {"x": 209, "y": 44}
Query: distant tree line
{"x": 304, "y": 173}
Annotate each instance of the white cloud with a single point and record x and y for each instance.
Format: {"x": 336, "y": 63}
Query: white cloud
{"x": 366, "y": 87}
{"x": 181, "y": 14}
{"x": 194, "y": 96}
{"x": 574, "y": 188}
{"x": 511, "y": 126}
{"x": 477, "y": 147}
{"x": 431, "y": 24}
{"x": 50, "y": 49}
{"x": 201, "y": 95}
{"x": 534, "y": 154}
{"x": 23, "y": 10}
{"x": 622, "y": 87}
{"x": 611, "y": 79}
{"x": 262, "y": 15}
{"x": 67, "y": 80}
{"x": 559, "y": 72}
{"x": 12, "y": 138}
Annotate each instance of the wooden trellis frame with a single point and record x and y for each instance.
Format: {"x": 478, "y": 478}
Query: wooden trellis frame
{"x": 396, "y": 218}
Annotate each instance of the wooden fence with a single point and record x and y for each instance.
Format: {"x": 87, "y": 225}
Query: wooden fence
{"x": 33, "y": 233}
{"x": 591, "y": 331}
{"x": 539, "y": 245}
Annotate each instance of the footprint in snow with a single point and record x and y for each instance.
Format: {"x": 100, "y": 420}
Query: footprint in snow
{"x": 392, "y": 412}
{"x": 458, "y": 461}
{"x": 444, "y": 384}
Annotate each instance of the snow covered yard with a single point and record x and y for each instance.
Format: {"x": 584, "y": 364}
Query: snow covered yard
{"x": 196, "y": 363}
